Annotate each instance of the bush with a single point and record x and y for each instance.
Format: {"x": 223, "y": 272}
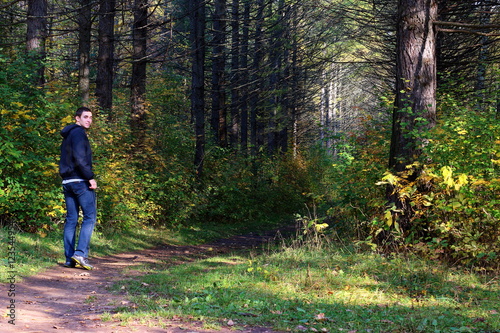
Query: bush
{"x": 454, "y": 202}
{"x": 28, "y": 150}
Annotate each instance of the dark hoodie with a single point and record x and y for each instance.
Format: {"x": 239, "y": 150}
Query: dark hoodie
{"x": 76, "y": 155}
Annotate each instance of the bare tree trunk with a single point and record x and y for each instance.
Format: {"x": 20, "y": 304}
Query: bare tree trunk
{"x": 483, "y": 57}
{"x": 284, "y": 128}
{"x": 105, "y": 57}
{"x": 197, "y": 22}
{"x": 84, "y": 31}
{"x": 276, "y": 117}
{"x": 255, "y": 127}
{"x": 294, "y": 99}
{"x": 139, "y": 64}
{"x": 245, "y": 77}
{"x": 219, "y": 107}
{"x": 235, "y": 80}
{"x": 415, "y": 105}
{"x": 36, "y": 36}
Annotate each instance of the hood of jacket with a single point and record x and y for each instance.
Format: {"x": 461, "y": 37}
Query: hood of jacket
{"x": 66, "y": 130}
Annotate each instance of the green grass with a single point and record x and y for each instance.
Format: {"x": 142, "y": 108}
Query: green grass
{"x": 35, "y": 252}
{"x": 310, "y": 285}
{"x": 323, "y": 288}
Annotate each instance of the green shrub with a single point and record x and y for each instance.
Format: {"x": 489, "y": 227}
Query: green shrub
{"x": 28, "y": 150}
{"x": 454, "y": 202}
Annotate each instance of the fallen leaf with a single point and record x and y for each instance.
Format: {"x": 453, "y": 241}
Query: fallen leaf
{"x": 320, "y": 317}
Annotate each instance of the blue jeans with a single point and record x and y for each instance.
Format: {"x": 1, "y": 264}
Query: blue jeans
{"x": 78, "y": 195}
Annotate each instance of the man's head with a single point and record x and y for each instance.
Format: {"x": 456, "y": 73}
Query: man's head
{"x": 83, "y": 117}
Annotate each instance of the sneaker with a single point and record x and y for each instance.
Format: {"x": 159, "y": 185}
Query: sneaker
{"x": 79, "y": 260}
{"x": 70, "y": 264}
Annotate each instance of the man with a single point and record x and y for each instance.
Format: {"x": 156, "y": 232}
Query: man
{"x": 79, "y": 185}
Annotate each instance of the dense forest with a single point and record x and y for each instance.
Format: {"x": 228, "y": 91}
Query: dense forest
{"x": 375, "y": 120}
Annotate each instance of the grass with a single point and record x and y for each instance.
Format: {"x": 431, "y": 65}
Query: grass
{"x": 324, "y": 288}
{"x": 302, "y": 285}
{"x": 35, "y": 252}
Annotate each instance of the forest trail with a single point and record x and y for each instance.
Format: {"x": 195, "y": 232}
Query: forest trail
{"x": 62, "y": 299}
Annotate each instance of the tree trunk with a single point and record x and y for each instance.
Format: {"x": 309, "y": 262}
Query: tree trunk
{"x": 139, "y": 63}
{"x": 105, "y": 57}
{"x": 219, "y": 107}
{"x": 255, "y": 126}
{"x": 483, "y": 57}
{"x": 235, "y": 83}
{"x": 84, "y": 30}
{"x": 197, "y": 22}
{"x": 275, "y": 63}
{"x": 294, "y": 98}
{"x": 36, "y": 36}
{"x": 245, "y": 78}
{"x": 415, "y": 105}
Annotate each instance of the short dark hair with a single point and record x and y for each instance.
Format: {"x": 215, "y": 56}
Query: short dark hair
{"x": 81, "y": 110}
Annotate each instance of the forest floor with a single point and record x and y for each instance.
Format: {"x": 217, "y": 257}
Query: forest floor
{"x": 62, "y": 299}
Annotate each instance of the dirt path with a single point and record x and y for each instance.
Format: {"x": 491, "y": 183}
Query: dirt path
{"x": 71, "y": 300}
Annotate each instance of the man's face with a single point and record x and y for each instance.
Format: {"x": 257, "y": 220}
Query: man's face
{"x": 85, "y": 120}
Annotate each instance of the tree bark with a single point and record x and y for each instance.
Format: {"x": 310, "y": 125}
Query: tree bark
{"x": 139, "y": 64}
{"x": 415, "y": 105}
{"x": 219, "y": 107}
{"x": 36, "y": 36}
{"x": 235, "y": 78}
{"x": 255, "y": 126}
{"x": 105, "y": 57}
{"x": 197, "y": 22}
{"x": 84, "y": 31}
{"x": 245, "y": 78}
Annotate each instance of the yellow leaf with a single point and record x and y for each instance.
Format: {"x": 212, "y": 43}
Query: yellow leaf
{"x": 447, "y": 173}
{"x": 388, "y": 217}
{"x": 320, "y": 227}
{"x": 66, "y": 120}
{"x": 462, "y": 179}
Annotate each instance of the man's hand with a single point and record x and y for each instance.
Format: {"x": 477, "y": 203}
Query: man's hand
{"x": 93, "y": 184}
